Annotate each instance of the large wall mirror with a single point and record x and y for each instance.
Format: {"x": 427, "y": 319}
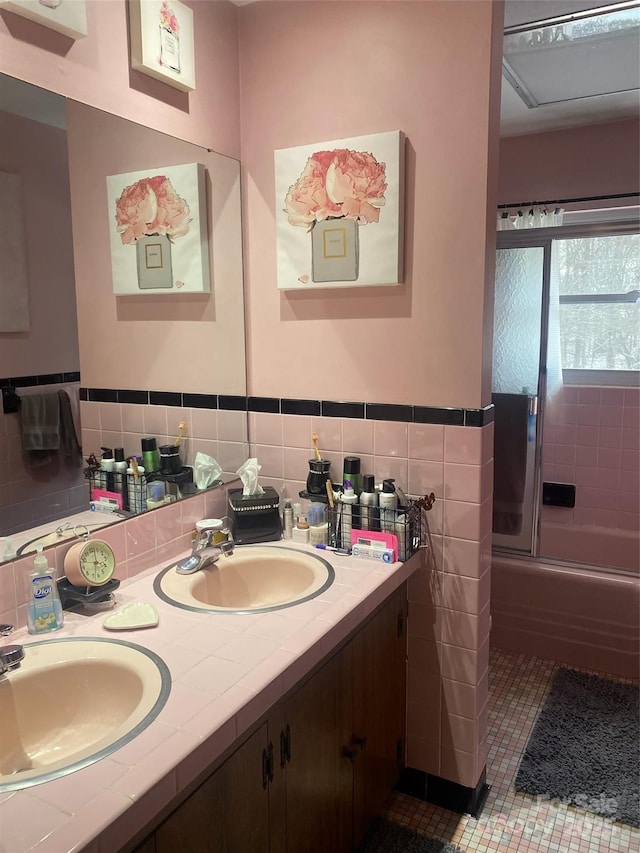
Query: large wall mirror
{"x": 144, "y": 362}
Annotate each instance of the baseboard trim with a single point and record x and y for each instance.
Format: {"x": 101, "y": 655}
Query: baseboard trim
{"x": 444, "y": 793}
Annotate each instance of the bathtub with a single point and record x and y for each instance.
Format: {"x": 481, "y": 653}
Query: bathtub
{"x": 580, "y": 543}
{"x": 588, "y": 617}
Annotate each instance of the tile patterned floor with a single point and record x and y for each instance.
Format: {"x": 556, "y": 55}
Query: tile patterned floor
{"x": 513, "y": 822}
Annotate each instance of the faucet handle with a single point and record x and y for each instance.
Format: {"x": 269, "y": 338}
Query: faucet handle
{"x": 10, "y": 658}
{"x": 226, "y": 547}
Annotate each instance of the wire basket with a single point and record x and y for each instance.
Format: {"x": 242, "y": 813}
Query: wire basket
{"x": 117, "y": 489}
{"x": 405, "y": 523}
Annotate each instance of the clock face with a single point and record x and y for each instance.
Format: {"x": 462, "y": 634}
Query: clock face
{"x": 97, "y": 562}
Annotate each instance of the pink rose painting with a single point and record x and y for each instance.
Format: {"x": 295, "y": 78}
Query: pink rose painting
{"x": 336, "y": 190}
{"x": 151, "y": 206}
{"x": 157, "y": 221}
{"x": 339, "y": 183}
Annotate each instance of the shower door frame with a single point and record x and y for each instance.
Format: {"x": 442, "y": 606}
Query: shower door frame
{"x": 543, "y": 238}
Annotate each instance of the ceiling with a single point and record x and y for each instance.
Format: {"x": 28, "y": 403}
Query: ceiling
{"x": 517, "y": 119}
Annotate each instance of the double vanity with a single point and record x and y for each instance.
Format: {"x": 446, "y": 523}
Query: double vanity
{"x": 265, "y": 711}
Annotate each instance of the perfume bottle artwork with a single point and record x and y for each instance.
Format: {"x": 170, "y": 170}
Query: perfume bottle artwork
{"x": 169, "y": 38}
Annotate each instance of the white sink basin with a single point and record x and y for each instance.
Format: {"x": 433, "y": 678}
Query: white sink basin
{"x": 73, "y": 701}
{"x": 253, "y": 579}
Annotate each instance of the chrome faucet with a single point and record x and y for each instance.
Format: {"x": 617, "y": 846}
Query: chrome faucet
{"x": 204, "y": 554}
{"x": 10, "y": 656}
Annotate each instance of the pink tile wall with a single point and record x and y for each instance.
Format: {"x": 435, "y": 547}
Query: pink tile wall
{"x": 218, "y": 433}
{"x": 449, "y": 594}
{"x": 30, "y": 496}
{"x": 592, "y": 439}
{"x": 138, "y": 543}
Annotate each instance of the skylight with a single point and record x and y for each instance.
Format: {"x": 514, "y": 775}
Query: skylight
{"x": 591, "y": 53}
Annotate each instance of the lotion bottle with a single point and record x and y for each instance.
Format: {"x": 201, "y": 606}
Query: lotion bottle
{"x": 44, "y": 610}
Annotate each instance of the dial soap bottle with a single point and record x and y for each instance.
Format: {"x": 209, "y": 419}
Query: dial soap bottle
{"x": 44, "y": 608}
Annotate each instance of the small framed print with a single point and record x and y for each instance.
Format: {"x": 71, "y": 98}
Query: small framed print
{"x": 68, "y": 17}
{"x": 162, "y": 43}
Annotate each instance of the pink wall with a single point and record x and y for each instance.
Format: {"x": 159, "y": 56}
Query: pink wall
{"x": 96, "y": 71}
{"x": 38, "y": 153}
{"x": 347, "y": 73}
{"x": 571, "y": 163}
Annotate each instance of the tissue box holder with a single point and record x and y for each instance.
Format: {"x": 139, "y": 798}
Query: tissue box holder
{"x": 254, "y": 518}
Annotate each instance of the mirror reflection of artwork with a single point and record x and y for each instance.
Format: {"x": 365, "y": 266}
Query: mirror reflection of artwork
{"x": 339, "y": 212}
{"x": 162, "y": 43}
{"x": 68, "y": 17}
{"x": 157, "y": 229}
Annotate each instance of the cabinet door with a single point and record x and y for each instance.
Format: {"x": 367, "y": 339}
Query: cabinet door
{"x": 228, "y": 813}
{"x": 319, "y": 773}
{"x": 379, "y": 676}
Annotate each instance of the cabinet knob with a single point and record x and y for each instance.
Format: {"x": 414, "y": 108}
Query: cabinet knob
{"x": 285, "y": 745}
{"x": 360, "y": 741}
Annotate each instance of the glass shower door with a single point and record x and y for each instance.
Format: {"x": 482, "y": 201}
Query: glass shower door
{"x": 517, "y": 385}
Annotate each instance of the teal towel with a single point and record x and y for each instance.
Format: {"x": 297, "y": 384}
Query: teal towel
{"x": 40, "y": 421}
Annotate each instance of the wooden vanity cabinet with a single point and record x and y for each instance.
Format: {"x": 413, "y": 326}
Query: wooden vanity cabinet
{"x": 312, "y": 777}
{"x": 229, "y": 812}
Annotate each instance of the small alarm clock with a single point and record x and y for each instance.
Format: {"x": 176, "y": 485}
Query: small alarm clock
{"x": 89, "y": 563}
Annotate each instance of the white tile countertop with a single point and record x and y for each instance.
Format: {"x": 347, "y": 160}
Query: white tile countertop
{"x": 227, "y": 670}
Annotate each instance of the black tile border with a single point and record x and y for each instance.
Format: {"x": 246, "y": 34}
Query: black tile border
{"x": 399, "y": 412}
{"x": 300, "y": 407}
{"x": 264, "y": 404}
{"x": 39, "y": 379}
{"x": 444, "y": 793}
{"x": 340, "y": 409}
{"x": 139, "y": 397}
{"x": 388, "y": 412}
{"x": 200, "y": 401}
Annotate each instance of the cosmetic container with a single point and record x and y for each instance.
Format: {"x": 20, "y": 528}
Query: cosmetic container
{"x": 120, "y": 466}
{"x": 318, "y": 527}
{"x": 170, "y": 462}
{"x": 301, "y": 531}
{"x": 106, "y": 467}
{"x": 369, "y": 513}
{"x": 287, "y": 518}
{"x": 150, "y": 455}
{"x": 388, "y": 506}
{"x": 348, "y": 499}
{"x": 351, "y": 473}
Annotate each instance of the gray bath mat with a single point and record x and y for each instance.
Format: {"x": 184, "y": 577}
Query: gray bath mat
{"x": 387, "y": 837}
{"x": 585, "y": 747}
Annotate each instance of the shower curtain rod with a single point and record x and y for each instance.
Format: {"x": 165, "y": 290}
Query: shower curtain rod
{"x": 568, "y": 200}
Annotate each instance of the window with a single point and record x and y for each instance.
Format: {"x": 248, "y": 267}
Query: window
{"x": 599, "y": 287}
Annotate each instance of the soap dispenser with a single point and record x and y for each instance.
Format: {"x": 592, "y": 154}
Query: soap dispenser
{"x": 44, "y": 608}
